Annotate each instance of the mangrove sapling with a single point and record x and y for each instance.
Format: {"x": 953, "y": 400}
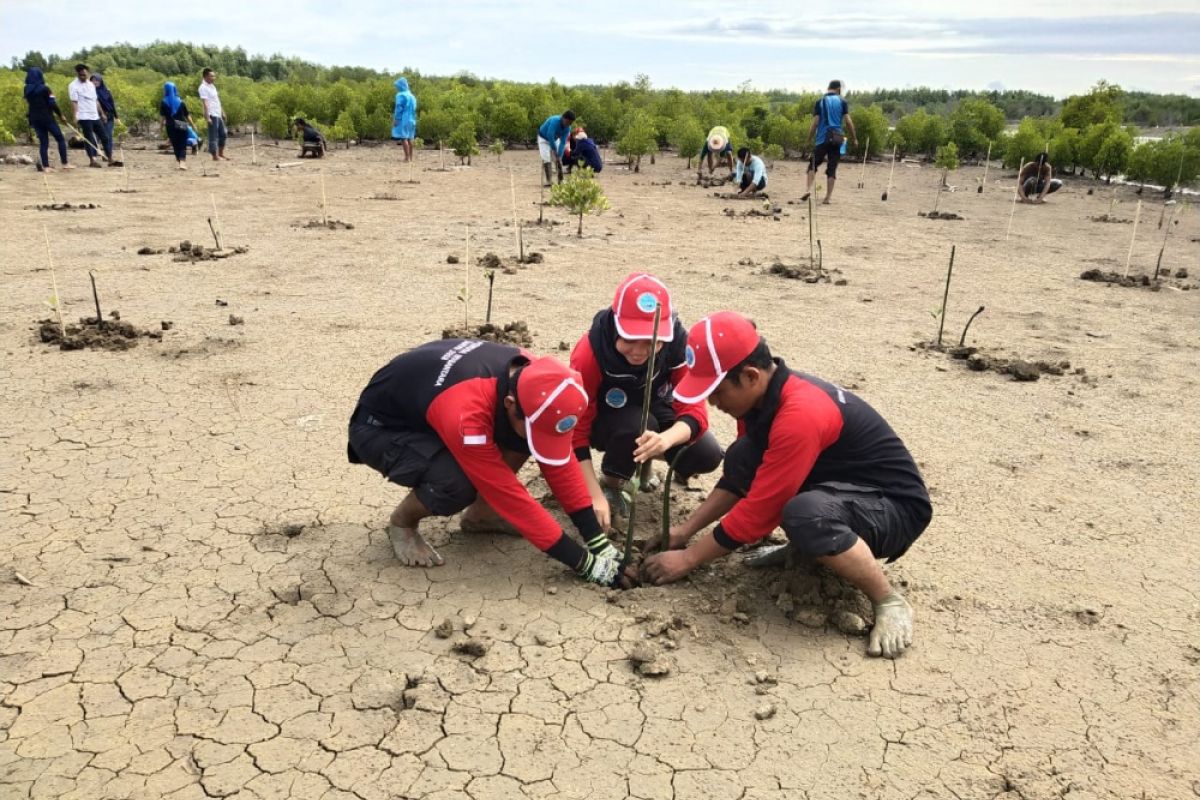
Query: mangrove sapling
{"x": 862, "y": 177}
{"x": 96, "y": 297}
{"x": 253, "y": 150}
{"x": 1162, "y": 249}
{"x": 987, "y": 163}
{"x": 963, "y": 339}
{"x": 490, "y": 274}
{"x": 497, "y": 147}
{"x": 891, "y": 173}
{"x": 1137, "y": 216}
{"x": 665, "y": 544}
{"x": 634, "y": 484}
{"x": 580, "y": 194}
{"x": 945, "y": 297}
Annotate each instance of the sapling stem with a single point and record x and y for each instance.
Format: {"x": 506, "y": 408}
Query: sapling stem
{"x": 1137, "y": 217}
{"x": 891, "y": 173}
{"x": 491, "y": 279}
{"x": 541, "y": 201}
{"x": 666, "y": 509}
{"x": 212, "y": 198}
{"x": 862, "y": 177}
{"x": 1016, "y": 194}
{"x": 442, "y": 152}
{"x": 987, "y": 163}
{"x": 213, "y": 228}
{"x": 54, "y": 284}
{"x": 96, "y": 297}
{"x": 634, "y": 483}
{"x": 945, "y": 296}
{"x": 125, "y": 168}
{"x": 962, "y": 339}
{"x": 820, "y": 256}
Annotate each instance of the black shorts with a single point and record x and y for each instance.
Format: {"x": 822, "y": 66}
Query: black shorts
{"x": 826, "y": 519}
{"x": 823, "y": 151}
{"x": 762, "y": 182}
{"x": 416, "y": 459}
{"x": 728, "y": 148}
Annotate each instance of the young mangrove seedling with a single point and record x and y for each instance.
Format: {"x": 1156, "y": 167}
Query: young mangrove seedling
{"x": 634, "y": 484}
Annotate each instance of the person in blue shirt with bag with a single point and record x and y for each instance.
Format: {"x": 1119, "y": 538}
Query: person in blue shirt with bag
{"x": 553, "y": 136}
{"x": 830, "y": 113}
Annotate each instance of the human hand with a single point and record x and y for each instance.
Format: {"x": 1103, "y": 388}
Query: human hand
{"x": 667, "y": 567}
{"x": 650, "y": 445}
{"x": 603, "y": 511}
{"x": 677, "y": 539}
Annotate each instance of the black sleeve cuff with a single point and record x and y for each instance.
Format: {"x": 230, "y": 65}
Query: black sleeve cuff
{"x": 568, "y": 551}
{"x": 730, "y": 486}
{"x": 693, "y": 425}
{"x": 585, "y": 522}
{"x": 583, "y": 454}
{"x": 722, "y": 538}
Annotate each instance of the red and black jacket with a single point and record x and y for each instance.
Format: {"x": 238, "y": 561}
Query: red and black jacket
{"x": 611, "y": 382}
{"x": 455, "y": 388}
{"x": 812, "y": 432}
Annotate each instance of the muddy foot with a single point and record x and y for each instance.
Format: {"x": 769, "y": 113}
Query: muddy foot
{"x": 893, "y": 630}
{"x": 412, "y": 549}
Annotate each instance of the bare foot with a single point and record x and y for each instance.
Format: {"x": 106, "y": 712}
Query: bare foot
{"x": 182, "y": 165}
{"x": 412, "y": 549}
{"x": 825, "y": 202}
{"x": 893, "y": 631}
{"x": 68, "y": 166}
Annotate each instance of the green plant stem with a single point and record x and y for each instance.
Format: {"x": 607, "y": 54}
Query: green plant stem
{"x": 666, "y": 511}
{"x": 962, "y": 339}
{"x": 635, "y": 482}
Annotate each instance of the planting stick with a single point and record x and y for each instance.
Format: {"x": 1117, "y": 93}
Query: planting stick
{"x": 442, "y": 151}
{"x": 1137, "y": 216}
{"x": 79, "y": 133}
{"x": 1162, "y": 213}
{"x": 125, "y": 168}
{"x": 324, "y": 202}
{"x": 967, "y": 327}
{"x": 49, "y": 193}
{"x": 253, "y": 150}
{"x": 863, "y": 175}
{"x": 987, "y": 162}
{"x": 635, "y": 482}
{"x": 1016, "y": 194}
{"x": 212, "y": 198}
{"x": 1161, "y": 250}
{"x": 215, "y": 235}
{"x": 666, "y": 509}
{"x": 811, "y": 234}
{"x": 945, "y": 297}
{"x": 512, "y": 186}
{"x": 891, "y": 172}
{"x": 541, "y": 201}
{"x": 96, "y": 297}
{"x": 491, "y": 278}
{"x": 467, "y": 279}
{"x": 54, "y": 284}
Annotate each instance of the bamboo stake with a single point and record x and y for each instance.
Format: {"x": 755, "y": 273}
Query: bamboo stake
{"x": 49, "y": 193}
{"x": 62, "y": 327}
{"x": 987, "y": 163}
{"x": 324, "y": 203}
{"x": 442, "y": 152}
{"x": 1137, "y": 216}
{"x": 125, "y": 167}
{"x": 253, "y": 150}
{"x": 467, "y": 280}
{"x": 96, "y": 297}
{"x": 1016, "y": 194}
{"x": 212, "y": 198}
{"x": 1166, "y": 234}
{"x": 811, "y": 232}
{"x": 863, "y": 175}
{"x": 891, "y": 173}
{"x": 512, "y": 185}
{"x": 945, "y": 297}
{"x": 634, "y": 483}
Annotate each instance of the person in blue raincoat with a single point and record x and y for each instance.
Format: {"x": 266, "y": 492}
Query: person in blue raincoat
{"x": 404, "y": 118}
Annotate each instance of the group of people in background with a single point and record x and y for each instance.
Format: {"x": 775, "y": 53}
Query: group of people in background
{"x": 93, "y": 108}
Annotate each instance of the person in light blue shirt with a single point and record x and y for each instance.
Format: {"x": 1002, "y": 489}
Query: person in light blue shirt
{"x": 750, "y": 174}
{"x": 404, "y": 118}
{"x": 553, "y": 136}
{"x": 830, "y": 114}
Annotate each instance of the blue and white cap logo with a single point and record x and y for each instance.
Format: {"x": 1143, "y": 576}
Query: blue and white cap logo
{"x": 566, "y": 423}
{"x": 646, "y": 302}
{"x": 689, "y": 357}
{"x": 616, "y": 398}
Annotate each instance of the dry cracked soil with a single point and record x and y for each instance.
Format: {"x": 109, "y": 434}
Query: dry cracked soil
{"x": 198, "y": 599}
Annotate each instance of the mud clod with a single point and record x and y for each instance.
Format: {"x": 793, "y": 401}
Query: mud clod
{"x": 765, "y": 711}
{"x": 90, "y": 334}
{"x": 515, "y": 333}
{"x": 472, "y": 647}
{"x": 848, "y": 622}
{"x": 811, "y": 616}
{"x": 331, "y": 224}
{"x": 445, "y": 629}
{"x": 452, "y": 259}
{"x": 234, "y": 319}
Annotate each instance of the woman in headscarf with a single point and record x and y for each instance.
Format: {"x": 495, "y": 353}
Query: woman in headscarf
{"x": 108, "y": 105}
{"x": 404, "y": 118}
{"x": 176, "y": 121}
{"x": 43, "y": 108}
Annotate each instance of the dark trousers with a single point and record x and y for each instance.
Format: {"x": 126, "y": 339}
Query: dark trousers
{"x": 216, "y": 135}
{"x": 826, "y": 151}
{"x": 417, "y": 460}
{"x": 615, "y": 432}
{"x": 94, "y": 132}
{"x": 44, "y": 131}
{"x": 110, "y": 125}
{"x": 179, "y": 142}
{"x": 1033, "y": 187}
{"x": 826, "y": 519}
{"x": 762, "y": 182}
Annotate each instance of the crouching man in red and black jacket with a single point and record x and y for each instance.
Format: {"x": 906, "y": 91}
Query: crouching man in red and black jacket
{"x": 811, "y": 458}
{"x": 454, "y": 420}
{"x": 613, "y": 358}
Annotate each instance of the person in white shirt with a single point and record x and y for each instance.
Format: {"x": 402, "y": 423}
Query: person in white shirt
{"x": 89, "y": 115}
{"x": 750, "y": 174}
{"x": 214, "y": 114}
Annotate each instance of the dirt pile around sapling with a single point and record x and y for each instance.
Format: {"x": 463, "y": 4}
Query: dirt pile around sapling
{"x": 63, "y": 206}
{"x": 939, "y": 215}
{"x": 1019, "y": 369}
{"x": 712, "y": 181}
{"x": 1175, "y": 280}
{"x": 800, "y": 272}
{"x": 1109, "y": 218}
{"x": 507, "y": 266}
{"x": 514, "y": 333}
{"x": 111, "y": 335}
{"x": 770, "y": 212}
{"x": 328, "y": 224}
{"x": 738, "y": 196}
{"x": 187, "y": 251}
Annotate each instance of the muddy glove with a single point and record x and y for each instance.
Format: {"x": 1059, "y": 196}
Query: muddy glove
{"x": 893, "y": 629}
{"x": 601, "y": 570}
{"x": 600, "y": 546}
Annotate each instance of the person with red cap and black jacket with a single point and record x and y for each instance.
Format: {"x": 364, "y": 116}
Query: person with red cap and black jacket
{"x": 454, "y": 420}
{"x": 811, "y": 458}
{"x": 612, "y": 359}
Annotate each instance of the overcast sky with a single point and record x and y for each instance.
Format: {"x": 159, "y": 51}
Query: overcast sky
{"x": 1050, "y": 46}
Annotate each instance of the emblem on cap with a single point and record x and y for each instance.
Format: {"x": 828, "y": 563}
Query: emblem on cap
{"x": 646, "y": 302}
{"x": 566, "y": 423}
{"x": 616, "y": 398}
{"x": 689, "y": 357}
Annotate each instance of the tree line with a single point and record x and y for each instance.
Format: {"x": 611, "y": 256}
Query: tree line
{"x": 1091, "y": 132}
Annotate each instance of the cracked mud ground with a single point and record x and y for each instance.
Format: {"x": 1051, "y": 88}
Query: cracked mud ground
{"x": 215, "y": 611}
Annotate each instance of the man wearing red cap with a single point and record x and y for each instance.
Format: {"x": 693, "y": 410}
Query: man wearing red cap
{"x": 811, "y": 458}
{"x": 454, "y": 420}
{"x": 613, "y": 359}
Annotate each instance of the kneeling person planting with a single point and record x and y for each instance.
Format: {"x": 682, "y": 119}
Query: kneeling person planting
{"x": 811, "y": 458}
{"x": 454, "y": 420}
{"x": 613, "y": 359}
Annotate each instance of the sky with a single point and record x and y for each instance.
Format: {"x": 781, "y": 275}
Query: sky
{"x": 1051, "y": 46}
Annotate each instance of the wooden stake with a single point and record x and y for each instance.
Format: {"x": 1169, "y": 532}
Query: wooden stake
{"x": 253, "y": 150}
{"x": 324, "y": 204}
{"x": 987, "y": 163}
{"x": 1166, "y": 235}
{"x": 96, "y": 297}
{"x": 1137, "y": 216}
{"x": 945, "y": 297}
{"x": 62, "y": 327}
{"x": 467, "y": 280}
{"x": 212, "y": 198}
{"x": 1016, "y": 194}
{"x": 512, "y": 186}
{"x": 811, "y": 232}
{"x": 49, "y": 193}
{"x": 442, "y": 152}
{"x": 125, "y": 167}
{"x": 891, "y": 173}
{"x": 863, "y": 175}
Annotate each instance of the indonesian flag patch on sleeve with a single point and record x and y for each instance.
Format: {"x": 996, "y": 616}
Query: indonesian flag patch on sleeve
{"x": 473, "y": 435}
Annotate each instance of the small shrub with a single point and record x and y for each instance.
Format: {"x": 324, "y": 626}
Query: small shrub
{"x": 580, "y": 194}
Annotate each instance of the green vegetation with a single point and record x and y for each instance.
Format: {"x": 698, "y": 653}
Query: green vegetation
{"x": 580, "y": 194}
{"x": 1085, "y": 132}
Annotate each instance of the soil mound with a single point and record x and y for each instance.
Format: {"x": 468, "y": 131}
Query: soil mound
{"x": 515, "y": 333}
{"x": 93, "y": 334}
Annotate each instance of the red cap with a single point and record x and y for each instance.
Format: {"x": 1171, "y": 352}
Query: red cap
{"x": 633, "y": 308}
{"x": 715, "y": 344}
{"x": 552, "y": 396}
